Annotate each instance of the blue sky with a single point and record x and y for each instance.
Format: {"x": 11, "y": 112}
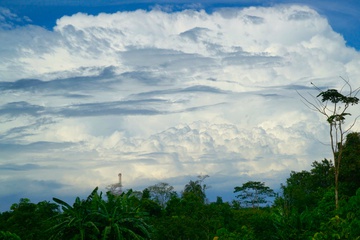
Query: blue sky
{"x": 165, "y": 92}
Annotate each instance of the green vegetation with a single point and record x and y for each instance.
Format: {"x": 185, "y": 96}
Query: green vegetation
{"x": 254, "y": 193}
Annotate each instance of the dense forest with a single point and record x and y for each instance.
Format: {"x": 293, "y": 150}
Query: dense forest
{"x": 304, "y": 209}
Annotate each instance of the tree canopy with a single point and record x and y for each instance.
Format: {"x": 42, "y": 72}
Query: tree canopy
{"x": 254, "y": 193}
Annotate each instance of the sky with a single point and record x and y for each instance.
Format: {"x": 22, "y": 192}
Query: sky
{"x": 164, "y": 91}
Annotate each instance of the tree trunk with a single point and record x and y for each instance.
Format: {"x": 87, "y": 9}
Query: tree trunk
{"x": 336, "y": 189}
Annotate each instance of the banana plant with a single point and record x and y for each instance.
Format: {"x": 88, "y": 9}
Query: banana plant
{"x": 76, "y": 222}
{"x": 121, "y": 218}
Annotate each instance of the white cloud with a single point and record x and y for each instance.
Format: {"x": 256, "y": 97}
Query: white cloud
{"x": 165, "y": 96}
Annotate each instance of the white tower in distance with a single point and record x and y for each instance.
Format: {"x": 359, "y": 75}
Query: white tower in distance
{"x": 119, "y": 183}
{"x": 116, "y": 188}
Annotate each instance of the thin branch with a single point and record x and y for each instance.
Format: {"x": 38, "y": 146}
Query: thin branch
{"x": 316, "y": 87}
{"x": 351, "y": 126}
{"x": 309, "y": 104}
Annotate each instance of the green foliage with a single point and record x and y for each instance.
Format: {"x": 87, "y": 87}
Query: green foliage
{"x": 75, "y": 222}
{"x": 335, "y": 228}
{"x": 123, "y": 217}
{"x": 258, "y": 220}
{"x": 254, "y": 193}
{"x": 307, "y": 201}
{"x": 28, "y": 220}
{"x": 244, "y": 233}
{"x": 161, "y": 193}
{"x": 350, "y": 211}
{"x": 334, "y": 96}
{"x": 118, "y": 217}
{"x": 303, "y": 190}
{"x": 189, "y": 217}
{"x": 195, "y": 190}
{"x": 6, "y": 235}
{"x": 349, "y": 177}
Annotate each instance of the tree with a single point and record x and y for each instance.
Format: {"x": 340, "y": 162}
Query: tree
{"x": 303, "y": 190}
{"x": 29, "y": 220}
{"x": 334, "y": 104}
{"x": 196, "y": 189}
{"x": 118, "y": 217}
{"x": 75, "y": 221}
{"x": 254, "y": 193}
{"x": 161, "y": 193}
{"x": 349, "y": 178}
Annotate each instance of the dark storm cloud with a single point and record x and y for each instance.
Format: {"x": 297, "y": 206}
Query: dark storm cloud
{"x": 150, "y": 106}
{"x": 21, "y": 108}
{"x": 163, "y": 58}
{"x": 100, "y": 81}
{"x": 132, "y": 107}
{"x": 17, "y": 133}
{"x": 254, "y": 61}
{"x": 254, "y": 19}
{"x": 199, "y": 108}
{"x": 72, "y": 95}
{"x": 120, "y": 108}
{"x": 300, "y": 15}
{"x": 26, "y": 130}
{"x": 295, "y": 87}
{"x": 34, "y": 147}
{"x": 201, "y": 88}
{"x": 194, "y": 89}
{"x": 194, "y": 33}
{"x": 271, "y": 95}
{"x": 144, "y": 77}
{"x": 19, "y": 167}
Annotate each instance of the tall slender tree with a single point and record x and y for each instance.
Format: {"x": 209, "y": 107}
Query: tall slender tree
{"x": 334, "y": 105}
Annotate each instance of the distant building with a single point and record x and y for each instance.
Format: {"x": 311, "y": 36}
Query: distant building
{"x": 116, "y": 188}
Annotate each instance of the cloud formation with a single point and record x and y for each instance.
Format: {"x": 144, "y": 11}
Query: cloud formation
{"x": 165, "y": 96}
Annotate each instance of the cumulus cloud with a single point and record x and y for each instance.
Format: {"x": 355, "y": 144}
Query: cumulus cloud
{"x": 163, "y": 96}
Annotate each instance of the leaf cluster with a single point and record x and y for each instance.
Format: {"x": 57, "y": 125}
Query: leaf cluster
{"x": 335, "y": 96}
